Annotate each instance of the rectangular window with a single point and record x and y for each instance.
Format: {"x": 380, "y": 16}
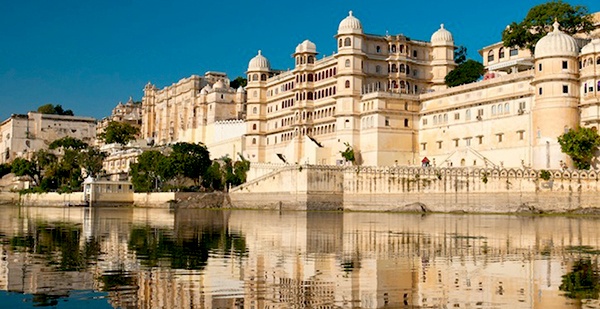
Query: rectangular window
{"x": 522, "y": 105}
{"x": 457, "y": 116}
{"x": 480, "y": 138}
{"x": 387, "y": 121}
{"x": 414, "y": 53}
{"x": 424, "y": 146}
{"x": 565, "y": 65}
{"x": 456, "y": 142}
{"x": 565, "y": 88}
{"x": 539, "y": 67}
{"x": 439, "y": 144}
{"x": 514, "y": 52}
{"x": 521, "y": 134}
{"x": 480, "y": 112}
{"x": 468, "y": 141}
{"x": 540, "y": 91}
{"x": 424, "y": 121}
{"x": 499, "y": 137}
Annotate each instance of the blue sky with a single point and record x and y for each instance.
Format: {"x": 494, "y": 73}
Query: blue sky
{"x": 89, "y": 55}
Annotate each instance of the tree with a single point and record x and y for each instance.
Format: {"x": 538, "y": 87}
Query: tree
{"x": 24, "y": 167}
{"x": 54, "y": 110}
{"x": 581, "y": 145}
{"x": 68, "y": 142}
{"x": 148, "y": 173}
{"x": 539, "y": 20}
{"x": 238, "y": 82}
{"x": 91, "y": 160}
{"x": 467, "y": 72}
{"x": 460, "y": 54}
{"x": 4, "y": 169}
{"x": 582, "y": 282}
{"x": 190, "y": 160}
{"x": 120, "y": 133}
{"x": 348, "y": 154}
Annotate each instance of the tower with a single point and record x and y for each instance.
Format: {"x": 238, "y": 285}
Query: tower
{"x": 555, "y": 104}
{"x": 258, "y": 72}
{"x": 442, "y": 44}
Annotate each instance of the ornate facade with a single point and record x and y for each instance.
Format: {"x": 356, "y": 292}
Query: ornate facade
{"x": 384, "y": 95}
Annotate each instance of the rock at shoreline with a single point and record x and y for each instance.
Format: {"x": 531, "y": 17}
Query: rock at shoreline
{"x": 528, "y": 209}
{"x": 414, "y": 207}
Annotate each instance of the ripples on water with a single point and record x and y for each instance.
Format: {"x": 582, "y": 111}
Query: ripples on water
{"x": 141, "y": 258}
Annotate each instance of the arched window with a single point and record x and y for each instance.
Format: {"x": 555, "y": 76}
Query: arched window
{"x": 311, "y": 59}
{"x": 407, "y": 69}
{"x": 347, "y": 84}
{"x": 254, "y": 110}
{"x": 402, "y": 85}
{"x": 402, "y": 68}
{"x": 598, "y": 61}
{"x": 501, "y": 53}
{"x": 340, "y": 43}
{"x": 394, "y": 68}
{"x": 377, "y": 69}
{"x": 401, "y": 49}
{"x": 255, "y": 77}
{"x": 445, "y": 118}
{"x": 310, "y": 77}
{"x": 347, "y": 42}
{"x": 506, "y": 108}
{"x": 493, "y": 109}
{"x": 434, "y": 119}
{"x": 393, "y": 48}
{"x": 394, "y": 84}
{"x": 347, "y": 63}
{"x": 491, "y": 55}
{"x": 254, "y": 126}
{"x": 378, "y": 49}
{"x": 254, "y": 141}
{"x": 263, "y": 77}
{"x": 310, "y": 96}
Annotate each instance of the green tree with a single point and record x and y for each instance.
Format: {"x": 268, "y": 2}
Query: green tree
{"x": 581, "y": 145}
{"x": 460, "y": 54}
{"x": 213, "y": 177}
{"x": 120, "y": 133}
{"x": 91, "y": 160}
{"x": 24, "y": 167}
{"x": 238, "y": 82}
{"x": 190, "y": 160}
{"x": 148, "y": 174}
{"x": 54, "y": 110}
{"x": 348, "y": 154}
{"x": 4, "y": 169}
{"x": 467, "y": 72}
{"x": 539, "y": 20}
{"x": 68, "y": 143}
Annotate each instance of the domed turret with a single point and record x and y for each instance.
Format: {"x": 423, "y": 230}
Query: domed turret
{"x": 556, "y": 43}
{"x": 306, "y": 47}
{"x": 591, "y": 47}
{"x": 219, "y": 85}
{"x": 259, "y": 63}
{"x": 442, "y": 37}
{"x": 350, "y": 25}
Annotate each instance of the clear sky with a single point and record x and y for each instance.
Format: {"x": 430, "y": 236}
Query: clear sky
{"x": 89, "y": 55}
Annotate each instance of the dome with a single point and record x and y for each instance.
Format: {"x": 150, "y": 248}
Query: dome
{"x": 306, "y": 47}
{"x": 556, "y": 43}
{"x": 591, "y": 47}
{"x": 240, "y": 90}
{"x": 207, "y": 88}
{"x": 441, "y": 37}
{"x": 350, "y": 25}
{"x": 219, "y": 85}
{"x": 204, "y": 91}
{"x": 259, "y": 63}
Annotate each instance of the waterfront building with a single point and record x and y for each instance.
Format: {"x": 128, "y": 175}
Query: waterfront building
{"x": 23, "y": 134}
{"x": 385, "y": 96}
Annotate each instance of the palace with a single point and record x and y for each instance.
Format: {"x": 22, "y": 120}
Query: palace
{"x": 385, "y": 96}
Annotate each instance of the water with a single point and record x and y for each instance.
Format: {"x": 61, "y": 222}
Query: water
{"x": 148, "y": 258}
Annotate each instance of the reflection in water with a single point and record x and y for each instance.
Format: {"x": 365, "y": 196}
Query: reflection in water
{"x": 149, "y": 258}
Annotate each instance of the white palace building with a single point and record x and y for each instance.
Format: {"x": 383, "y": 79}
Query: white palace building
{"x": 385, "y": 96}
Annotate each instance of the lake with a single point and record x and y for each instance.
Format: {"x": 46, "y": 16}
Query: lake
{"x": 155, "y": 258}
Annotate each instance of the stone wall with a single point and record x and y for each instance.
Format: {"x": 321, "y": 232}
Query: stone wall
{"x": 51, "y": 199}
{"x": 416, "y": 189}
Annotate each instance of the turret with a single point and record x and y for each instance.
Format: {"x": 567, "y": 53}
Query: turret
{"x": 258, "y": 72}
{"x": 555, "y": 107}
{"x": 442, "y": 44}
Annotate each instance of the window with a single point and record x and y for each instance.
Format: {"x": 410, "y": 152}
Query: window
{"x": 254, "y": 126}
{"x": 254, "y": 110}
{"x": 490, "y": 56}
{"x": 405, "y": 106}
{"x": 493, "y": 109}
{"x": 434, "y": 119}
{"x": 456, "y": 142}
{"x": 540, "y": 91}
{"x": 439, "y": 144}
{"x": 347, "y": 85}
{"x": 540, "y": 67}
{"x": 521, "y": 134}
{"x": 405, "y": 122}
{"x": 377, "y": 69}
{"x": 565, "y": 88}
{"x": 387, "y": 121}
{"x": 598, "y": 61}
{"x": 254, "y": 141}
{"x": 522, "y": 105}
{"x": 424, "y": 146}
{"x": 468, "y": 114}
{"x": 514, "y": 52}
{"x": 347, "y": 42}
{"x": 501, "y": 53}
{"x": 445, "y": 118}
{"x": 347, "y": 63}
{"x": 467, "y": 141}
{"x": 480, "y": 112}
{"x": 414, "y": 53}
{"x": 506, "y": 108}
{"x": 500, "y": 137}
{"x": 480, "y": 138}
{"x": 598, "y": 86}
{"x": 378, "y": 49}
{"x": 424, "y": 121}
{"x": 456, "y": 116}
{"x": 340, "y": 43}
{"x": 565, "y": 65}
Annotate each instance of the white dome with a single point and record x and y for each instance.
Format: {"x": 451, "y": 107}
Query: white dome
{"x": 441, "y": 37}
{"x": 240, "y": 90}
{"x": 306, "y": 47}
{"x": 259, "y": 63}
{"x": 556, "y": 43}
{"x": 350, "y": 25}
{"x": 591, "y": 47}
{"x": 219, "y": 85}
